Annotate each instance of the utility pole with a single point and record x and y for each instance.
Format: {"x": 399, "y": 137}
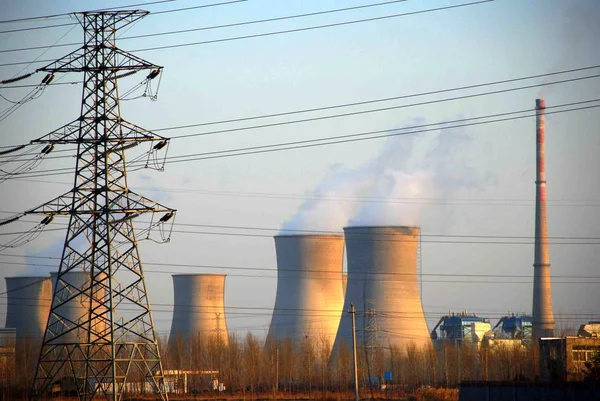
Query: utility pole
{"x": 354, "y": 356}
{"x": 112, "y": 342}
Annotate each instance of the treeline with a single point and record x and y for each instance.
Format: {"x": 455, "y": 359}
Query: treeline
{"x": 247, "y": 364}
{"x": 249, "y": 367}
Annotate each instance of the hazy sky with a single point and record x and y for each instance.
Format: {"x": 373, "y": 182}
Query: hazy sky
{"x": 472, "y": 181}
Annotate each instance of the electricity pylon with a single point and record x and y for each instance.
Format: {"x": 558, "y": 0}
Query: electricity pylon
{"x": 100, "y": 337}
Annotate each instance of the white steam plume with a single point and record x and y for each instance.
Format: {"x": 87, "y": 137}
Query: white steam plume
{"x": 394, "y": 187}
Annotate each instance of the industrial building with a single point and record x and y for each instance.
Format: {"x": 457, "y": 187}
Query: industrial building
{"x": 563, "y": 359}
{"x": 515, "y": 326}
{"x": 199, "y": 308}
{"x": 462, "y": 327}
{"x": 383, "y": 286}
{"x": 309, "y": 298}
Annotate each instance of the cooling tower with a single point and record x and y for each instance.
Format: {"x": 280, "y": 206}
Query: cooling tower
{"x": 199, "y": 309}
{"x": 542, "y": 316}
{"x": 309, "y": 298}
{"x": 28, "y": 305}
{"x": 78, "y": 309}
{"x": 383, "y": 286}
{"x": 344, "y": 283}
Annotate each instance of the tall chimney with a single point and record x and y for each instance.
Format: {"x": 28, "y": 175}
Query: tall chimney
{"x": 543, "y": 317}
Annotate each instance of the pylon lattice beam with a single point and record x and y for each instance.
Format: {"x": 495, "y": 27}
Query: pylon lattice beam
{"x": 100, "y": 331}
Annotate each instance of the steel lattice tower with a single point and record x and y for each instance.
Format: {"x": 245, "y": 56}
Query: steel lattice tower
{"x": 100, "y": 330}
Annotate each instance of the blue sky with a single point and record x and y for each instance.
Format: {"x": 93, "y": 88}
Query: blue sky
{"x": 481, "y": 178}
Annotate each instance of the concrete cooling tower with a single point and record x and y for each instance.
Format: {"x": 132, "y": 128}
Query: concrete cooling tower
{"x": 383, "y": 286}
{"x": 309, "y": 298}
{"x": 28, "y": 305}
{"x": 76, "y": 311}
{"x": 199, "y": 309}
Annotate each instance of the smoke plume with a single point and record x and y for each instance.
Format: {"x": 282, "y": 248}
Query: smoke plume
{"x": 409, "y": 173}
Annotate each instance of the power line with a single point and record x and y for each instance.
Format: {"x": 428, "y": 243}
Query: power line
{"x": 67, "y": 14}
{"x": 374, "y": 199}
{"x": 570, "y": 240}
{"x": 283, "y": 269}
{"x": 285, "y": 31}
{"x": 111, "y": 8}
{"x": 360, "y": 103}
{"x": 430, "y": 238}
{"x": 386, "y": 108}
{"x": 314, "y": 312}
{"x": 349, "y": 138}
{"x": 362, "y": 199}
{"x": 335, "y": 140}
{"x": 386, "y": 99}
{"x": 398, "y": 107}
{"x": 222, "y": 26}
{"x": 313, "y": 27}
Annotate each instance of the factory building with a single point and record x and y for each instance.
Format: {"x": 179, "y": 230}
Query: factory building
{"x": 383, "y": 286}
{"x": 515, "y": 326}
{"x": 309, "y": 297}
{"x": 564, "y": 359}
{"x": 462, "y": 327}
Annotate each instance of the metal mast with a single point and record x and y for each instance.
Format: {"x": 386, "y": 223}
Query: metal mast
{"x": 109, "y": 347}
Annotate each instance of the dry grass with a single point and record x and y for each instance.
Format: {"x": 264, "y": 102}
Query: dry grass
{"x": 436, "y": 394}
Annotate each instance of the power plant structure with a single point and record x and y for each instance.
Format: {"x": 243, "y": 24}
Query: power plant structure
{"x": 383, "y": 287}
{"x": 199, "y": 309}
{"x": 542, "y": 316}
{"x": 28, "y": 306}
{"x": 461, "y": 327}
{"x": 80, "y": 309}
{"x": 515, "y": 326}
{"x": 309, "y": 298}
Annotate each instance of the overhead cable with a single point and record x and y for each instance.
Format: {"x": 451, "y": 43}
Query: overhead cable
{"x": 348, "y": 138}
{"x": 148, "y": 3}
{"x": 378, "y": 101}
{"x": 206, "y": 28}
{"x": 313, "y": 27}
{"x": 285, "y": 31}
{"x": 274, "y": 269}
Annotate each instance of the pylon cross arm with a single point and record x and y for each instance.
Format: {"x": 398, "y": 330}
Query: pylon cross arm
{"x": 77, "y": 132}
{"x": 121, "y": 202}
{"x": 77, "y": 61}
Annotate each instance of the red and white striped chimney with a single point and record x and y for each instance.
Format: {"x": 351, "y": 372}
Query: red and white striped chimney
{"x": 543, "y": 317}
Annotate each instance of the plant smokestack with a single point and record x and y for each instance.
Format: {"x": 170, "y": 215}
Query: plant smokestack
{"x": 543, "y": 317}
